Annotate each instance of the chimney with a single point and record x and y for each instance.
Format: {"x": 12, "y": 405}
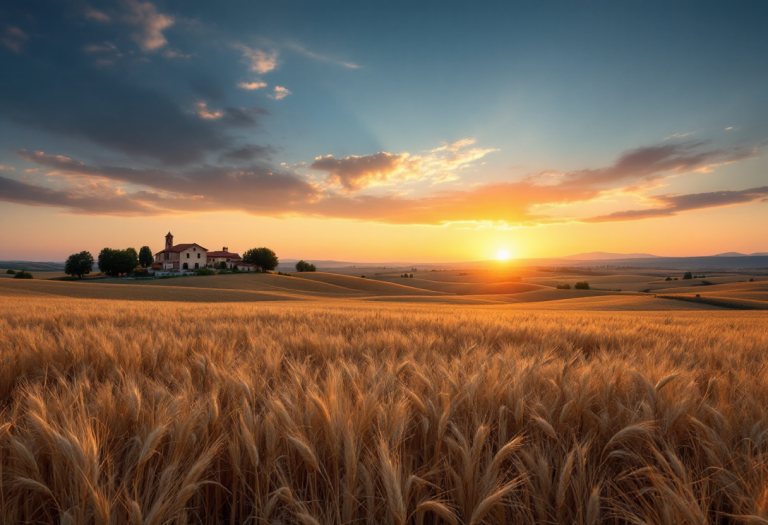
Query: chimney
{"x": 169, "y": 241}
{"x": 225, "y": 249}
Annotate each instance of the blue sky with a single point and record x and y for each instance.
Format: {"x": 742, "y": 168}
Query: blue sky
{"x": 496, "y": 115}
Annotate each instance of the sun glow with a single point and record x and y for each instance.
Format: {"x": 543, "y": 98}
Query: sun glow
{"x": 502, "y": 255}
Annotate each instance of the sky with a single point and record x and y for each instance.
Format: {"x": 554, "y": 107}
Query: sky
{"x": 384, "y": 131}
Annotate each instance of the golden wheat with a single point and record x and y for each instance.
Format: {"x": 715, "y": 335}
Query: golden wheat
{"x": 157, "y": 413}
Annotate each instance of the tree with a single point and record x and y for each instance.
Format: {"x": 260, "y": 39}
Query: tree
{"x": 145, "y": 256}
{"x": 127, "y": 260}
{"x": 263, "y": 257}
{"x": 79, "y": 264}
{"x": 117, "y": 262}
{"x": 11, "y": 272}
{"x": 668, "y": 279}
{"x": 582, "y": 285}
{"x": 563, "y": 286}
{"x": 687, "y": 275}
{"x": 301, "y": 266}
{"x": 22, "y": 275}
{"x": 106, "y": 264}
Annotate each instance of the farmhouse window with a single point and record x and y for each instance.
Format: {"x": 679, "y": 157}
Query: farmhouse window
{"x": 198, "y": 255}
{"x": 187, "y": 256}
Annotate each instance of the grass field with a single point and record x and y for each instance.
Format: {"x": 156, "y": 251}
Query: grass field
{"x": 347, "y": 412}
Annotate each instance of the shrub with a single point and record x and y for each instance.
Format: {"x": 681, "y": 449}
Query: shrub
{"x": 698, "y": 296}
{"x": 411, "y": 276}
{"x": 687, "y": 276}
{"x": 11, "y": 272}
{"x": 706, "y": 283}
{"x": 362, "y": 276}
{"x": 79, "y": 264}
{"x": 22, "y": 275}
{"x": 563, "y": 286}
{"x": 140, "y": 272}
{"x": 751, "y": 279}
{"x": 205, "y": 271}
{"x": 668, "y": 279}
{"x": 582, "y": 285}
{"x": 222, "y": 265}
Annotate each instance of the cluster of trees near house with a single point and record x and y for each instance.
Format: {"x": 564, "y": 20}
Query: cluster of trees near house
{"x": 115, "y": 263}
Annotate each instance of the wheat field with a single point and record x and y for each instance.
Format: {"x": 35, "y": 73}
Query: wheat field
{"x": 157, "y": 413}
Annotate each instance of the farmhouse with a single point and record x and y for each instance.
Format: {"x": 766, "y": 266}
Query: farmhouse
{"x": 193, "y": 257}
{"x": 181, "y": 256}
{"x": 229, "y": 259}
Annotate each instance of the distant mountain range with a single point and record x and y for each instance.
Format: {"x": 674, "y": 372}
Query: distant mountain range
{"x": 737, "y": 254}
{"x": 606, "y": 256}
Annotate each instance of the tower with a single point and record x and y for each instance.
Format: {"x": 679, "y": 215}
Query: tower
{"x": 169, "y": 241}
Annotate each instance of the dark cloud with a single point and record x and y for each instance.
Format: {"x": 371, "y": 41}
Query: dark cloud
{"x": 674, "y": 204}
{"x": 242, "y": 117}
{"x": 245, "y": 153}
{"x": 35, "y": 195}
{"x": 82, "y": 76}
{"x": 255, "y": 189}
{"x": 652, "y": 162}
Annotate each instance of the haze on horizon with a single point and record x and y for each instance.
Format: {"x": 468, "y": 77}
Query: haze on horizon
{"x": 384, "y": 132}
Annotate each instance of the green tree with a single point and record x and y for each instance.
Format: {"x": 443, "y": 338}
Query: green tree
{"x": 106, "y": 261}
{"x": 11, "y": 272}
{"x": 263, "y": 257}
{"x": 687, "y": 275}
{"x": 117, "y": 262}
{"x": 22, "y": 275}
{"x": 582, "y": 285}
{"x": 301, "y": 266}
{"x": 127, "y": 261}
{"x": 79, "y": 264}
{"x": 145, "y": 256}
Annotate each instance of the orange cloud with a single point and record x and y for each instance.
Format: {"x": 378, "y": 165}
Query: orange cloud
{"x": 257, "y": 84}
{"x": 280, "y": 93}
{"x": 149, "y": 24}
{"x": 355, "y": 173}
{"x": 260, "y": 61}
{"x": 202, "y": 111}
{"x": 259, "y": 190}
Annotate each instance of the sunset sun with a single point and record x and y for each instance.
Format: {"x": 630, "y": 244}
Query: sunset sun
{"x": 502, "y": 255}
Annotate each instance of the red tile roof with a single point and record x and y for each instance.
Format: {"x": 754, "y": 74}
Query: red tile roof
{"x": 181, "y": 248}
{"x": 224, "y": 254}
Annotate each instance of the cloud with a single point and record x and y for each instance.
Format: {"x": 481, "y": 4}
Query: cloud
{"x": 202, "y": 111}
{"x": 106, "y": 47}
{"x": 249, "y": 152}
{"x": 99, "y": 16}
{"x": 355, "y": 173}
{"x": 148, "y": 23}
{"x": 280, "y": 93}
{"x": 322, "y": 58}
{"x": 256, "y": 84}
{"x": 13, "y": 38}
{"x": 255, "y": 189}
{"x": 673, "y": 204}
{"x": 116, "y": 114}
{"x": 262, "y": 190}
{"x": 650, "y": 163}
{"x": 7, "y": 168}
{"x": 260, "y": 61}
{"x": 680, "y": 135}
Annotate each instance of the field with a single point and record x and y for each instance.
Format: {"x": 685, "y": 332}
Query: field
{"x": 331, "y": 399}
